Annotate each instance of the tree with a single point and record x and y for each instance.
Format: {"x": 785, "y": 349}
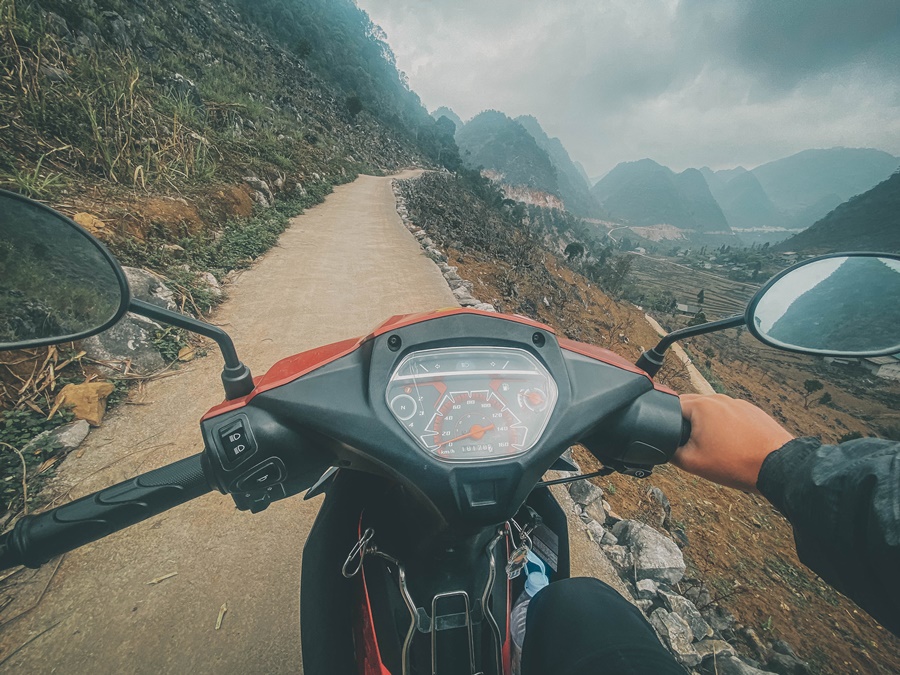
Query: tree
{"x": 825, "y": 399}
{"x": 354, "y": 105}
{"x": 701, "y": 296}
{"x": 811, "y": 386}
{"x": 574, "y": 250}
{"x": 697, "y": 319}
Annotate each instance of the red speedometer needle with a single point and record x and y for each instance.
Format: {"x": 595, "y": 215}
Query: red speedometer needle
{"x": 476, "y": 432}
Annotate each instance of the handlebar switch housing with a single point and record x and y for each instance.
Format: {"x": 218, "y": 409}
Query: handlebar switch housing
{"x": 640, "y": 436}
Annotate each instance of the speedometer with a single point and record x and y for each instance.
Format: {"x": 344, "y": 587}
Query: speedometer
{"x": 472, "y": 403}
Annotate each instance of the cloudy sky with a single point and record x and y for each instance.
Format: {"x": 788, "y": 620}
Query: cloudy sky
{"x": 685, "y": 82}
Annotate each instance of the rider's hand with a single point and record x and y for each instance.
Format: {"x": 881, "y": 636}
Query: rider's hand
{"x": 729, "y": 440}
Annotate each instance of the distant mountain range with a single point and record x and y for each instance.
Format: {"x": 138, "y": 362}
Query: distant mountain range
{"x": 770, "y": 203}
{"x": 645, "y": 193}
{"x": 867, "y": 222}
{"x": 444, "y": 111}
{"x": 491, "y": 140}
{"x": 574, "y": 189}
{"x": 523, "y": 155}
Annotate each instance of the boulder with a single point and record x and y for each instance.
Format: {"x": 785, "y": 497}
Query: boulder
{"x": 647, "y": 589}
{"x": 595, "y": 531}
{"x": 698, "y": 594}
{"x": 212, "y": 284}
{"x": 619, "y": 556}
{"x": 130, "y": 340}
{"x": 677, "y": 635}
{"x": 655, "y": 556}
{"x": 595, "y": 510}
{"x": 485, "y": 307}
{"x": 87, "y": 400}
{"x": 149, "y": 288}
{"x": 186, "y": 89}
{"x": 720, "y": 620}
{"x": 584, "y": 492}
{"x": 714, "y": 649}
{"x": 66, "y": 438}
{"x": 261, "y": 188}
{"x": 662, "y": 509}
{"x": 686, "y": 610}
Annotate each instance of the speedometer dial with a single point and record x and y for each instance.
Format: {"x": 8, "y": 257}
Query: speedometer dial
{"x": 476, "y": 403}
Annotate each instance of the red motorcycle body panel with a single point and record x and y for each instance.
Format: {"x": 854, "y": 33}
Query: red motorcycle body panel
{"x": 293, "y": 367}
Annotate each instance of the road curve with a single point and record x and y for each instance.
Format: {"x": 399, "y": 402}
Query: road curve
{"x": 341, "y": 268}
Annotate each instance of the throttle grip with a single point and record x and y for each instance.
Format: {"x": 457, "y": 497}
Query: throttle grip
{"x": 38, "y": 538}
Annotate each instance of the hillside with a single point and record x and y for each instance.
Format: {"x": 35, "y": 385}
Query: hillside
{"x": 444, "y": 111}
{"x": 645, "y": 193}
{"x": 187, "y": 95}
{"x": 867, "y": 222}
{"x": 807, "y": 185}
{"x": 574, "y": 189}
{"x": 743, "y": 200}
{"x": 493, "y": 141}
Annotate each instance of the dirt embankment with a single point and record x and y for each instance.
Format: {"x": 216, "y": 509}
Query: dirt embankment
{"x": 737, "y": 543}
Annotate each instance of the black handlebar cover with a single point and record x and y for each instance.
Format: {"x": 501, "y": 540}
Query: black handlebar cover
{"x": 36, "y": 539}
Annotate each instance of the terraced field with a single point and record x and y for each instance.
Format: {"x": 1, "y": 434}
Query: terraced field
{"x": 722, "y": 297}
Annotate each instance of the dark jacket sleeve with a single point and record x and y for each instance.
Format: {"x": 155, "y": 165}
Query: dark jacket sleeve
{"x": 844, "y": 504}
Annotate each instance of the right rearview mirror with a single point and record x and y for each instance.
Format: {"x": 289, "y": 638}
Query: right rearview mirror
{"x": 57, "y": 283}
{"x": 839, "y": 305}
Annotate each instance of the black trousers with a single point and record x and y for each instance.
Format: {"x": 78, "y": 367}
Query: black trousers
{"x": 583, "y": 626}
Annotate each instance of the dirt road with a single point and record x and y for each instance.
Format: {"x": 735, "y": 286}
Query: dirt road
{"x": 339, "y": 270}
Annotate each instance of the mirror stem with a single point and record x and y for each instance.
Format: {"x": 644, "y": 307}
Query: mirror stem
{"x": 652, "y": 359}
{"x": 236, "y": 376}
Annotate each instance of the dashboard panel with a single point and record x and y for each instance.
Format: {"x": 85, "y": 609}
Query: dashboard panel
{"x": 468, "y": 404}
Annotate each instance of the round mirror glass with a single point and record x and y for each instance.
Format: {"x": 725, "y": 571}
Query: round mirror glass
{"x": 843, "y": 305}
{"x": 57, "y": 283}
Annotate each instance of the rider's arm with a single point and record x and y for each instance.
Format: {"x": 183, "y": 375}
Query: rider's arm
{"x": 843, "y": 501}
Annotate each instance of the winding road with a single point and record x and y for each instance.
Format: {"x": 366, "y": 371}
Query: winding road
{"x": 147, "y": 599}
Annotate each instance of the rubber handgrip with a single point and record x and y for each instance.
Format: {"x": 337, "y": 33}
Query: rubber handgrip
{"x": 685, "y": 431}
{"x": 36, "y": 539}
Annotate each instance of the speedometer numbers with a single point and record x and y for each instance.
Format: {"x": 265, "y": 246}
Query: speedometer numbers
{"x": 472, "y": 404}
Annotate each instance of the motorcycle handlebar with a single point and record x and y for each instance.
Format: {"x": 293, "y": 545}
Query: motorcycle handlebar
{"x": 38, "y": 538}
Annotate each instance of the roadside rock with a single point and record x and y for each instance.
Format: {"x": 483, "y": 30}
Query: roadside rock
{"x": 750, "y": 637}
{"x": 714, "y": 649}
{"x": 655, "y": 556}
{"x": 584, "y": 492}
{"x": 262, "y": 193}
{"x": 676, "y": 634}
{"x": 728, "y": 665}
{"x": 787, "y": 664}
{"x": 662, "y": 509}
{"x": 619, "y": 556}
{"x": 129, "y": 341}
{"x": 212, "y": 284}
{"x": 595, "y": 531}
{"x": 686, "y": 610}
{"x": 647, "y": 589}
{"x": 67, "y": 437}
{"x": 147, "y": 287}
{"x": 721, "y": 620}
{"x": 87, "y": 400}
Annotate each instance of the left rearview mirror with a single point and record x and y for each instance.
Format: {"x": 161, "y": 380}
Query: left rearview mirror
{"x": 57, "y": 283}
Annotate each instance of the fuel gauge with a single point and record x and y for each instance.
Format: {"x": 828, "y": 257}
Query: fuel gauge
{"x": 533, "y": 399}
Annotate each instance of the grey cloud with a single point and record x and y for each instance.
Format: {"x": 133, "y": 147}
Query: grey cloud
{"x": 687, "y": 82}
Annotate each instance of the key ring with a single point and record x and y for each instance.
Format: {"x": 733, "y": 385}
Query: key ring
{"x": 358, "y": 550}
